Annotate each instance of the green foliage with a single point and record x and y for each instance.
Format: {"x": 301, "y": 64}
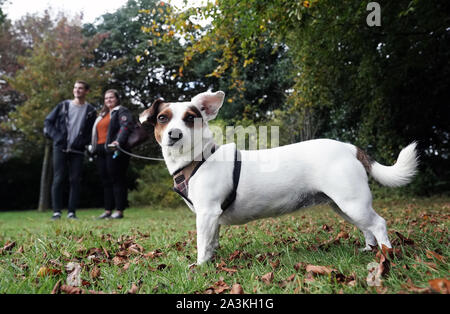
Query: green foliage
{"x": 251, "y": 92}
{"x": 377, "y": 87}
{"x": 154, "y": 186}
{"x": 146, "y": 71}
{"x": 2, "y": 14}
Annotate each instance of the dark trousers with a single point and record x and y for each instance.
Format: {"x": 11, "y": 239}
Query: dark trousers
{"x": 63, "y": 164}
{"x": 113, "y": 173}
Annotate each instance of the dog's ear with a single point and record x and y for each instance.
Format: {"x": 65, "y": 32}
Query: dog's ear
{"x": 149, "y": 115}
{"x": 209, "y": 103}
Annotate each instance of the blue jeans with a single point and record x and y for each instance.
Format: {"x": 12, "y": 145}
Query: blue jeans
{"x": 63, "y": 164}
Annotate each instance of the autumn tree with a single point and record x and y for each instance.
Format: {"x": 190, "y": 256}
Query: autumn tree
{"x": 46, "y": 77}
{"x": 146, "y": 71}
{"x": 379, "y": 87}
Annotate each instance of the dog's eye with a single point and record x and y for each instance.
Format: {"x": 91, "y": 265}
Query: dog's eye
{"x": 190, "y": 118}
{"x": 163, "y": 119}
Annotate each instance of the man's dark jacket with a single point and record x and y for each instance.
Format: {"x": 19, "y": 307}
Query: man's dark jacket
{"x": 55, "y": 126}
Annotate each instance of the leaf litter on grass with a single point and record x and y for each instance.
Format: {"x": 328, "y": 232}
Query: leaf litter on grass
{"x": 417, "y": 262}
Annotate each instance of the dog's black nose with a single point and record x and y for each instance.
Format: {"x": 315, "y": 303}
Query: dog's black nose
{"x": 175, "y": 134}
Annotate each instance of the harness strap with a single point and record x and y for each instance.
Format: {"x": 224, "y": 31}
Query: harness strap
{"x": 236, "y": 175}
{"x": 181, "y": 180}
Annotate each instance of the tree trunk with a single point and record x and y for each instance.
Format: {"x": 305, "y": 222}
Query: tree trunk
{"x": 46, "y": 175}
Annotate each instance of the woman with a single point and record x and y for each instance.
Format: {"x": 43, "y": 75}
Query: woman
{"x": 112, "y": 127}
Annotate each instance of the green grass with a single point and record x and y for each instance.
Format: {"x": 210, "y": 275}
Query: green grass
{"x": 291, "y": 241}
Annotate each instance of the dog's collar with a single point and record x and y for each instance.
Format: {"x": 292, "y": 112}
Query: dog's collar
{"x": 182, "y": 176}
{"x": 195, "y": 164}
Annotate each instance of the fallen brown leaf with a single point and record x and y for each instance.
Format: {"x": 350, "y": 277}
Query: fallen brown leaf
{"x": 105, "y": 252}
{"x": 237, "y": 289}
{"x": 285, "y": 282}
{"x": 229, "y": 270}
{"x": 412, "y": 288}
{"x": 56, "y": 289}
{"x": 326, "y": 228}
{"x": 134, "y": 289}
{"x": 71, "y": 290}
{"x": 431, "y": 255}
{"x": 342, "y": 235}
{"x": 385, "y": 265}
{"x": 135, "y": 249}
{"x": 218, "y": 287}
{"x": 95, "y": 272}
{"x": 153, "y": 254}
{"x": 441, "y": 285}
{"x": 275, "y": 264}
{"x": 267, "y": 278}
{"x": 291, "y": 277}
{"x": 8, "y": 246}
{"x": 118, "y": 260}
{"x": 240, "y": 255}
{"x": 234, "y": 255}
{"x": 319, "y": 270}
{"x": 45, "y": 271}
{"x": 403, "y": 239}
{"x": 388, "y": 253}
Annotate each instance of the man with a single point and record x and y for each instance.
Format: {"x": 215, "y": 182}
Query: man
{"x": 69, "y": 125}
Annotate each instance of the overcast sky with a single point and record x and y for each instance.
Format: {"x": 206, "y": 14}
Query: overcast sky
{"x": 91, "y": 9}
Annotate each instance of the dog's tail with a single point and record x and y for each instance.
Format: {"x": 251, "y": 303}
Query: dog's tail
{"x": 401, "y": 173}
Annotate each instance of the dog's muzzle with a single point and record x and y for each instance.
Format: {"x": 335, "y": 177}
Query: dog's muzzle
{"x": 174, "y": 136}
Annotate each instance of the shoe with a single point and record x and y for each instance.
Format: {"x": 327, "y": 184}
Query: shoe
{"x": 105, "y": 215}
{"x": 71, "y": 216}
{"x": 56, "y": 216}
{"x": 117, "y": 215}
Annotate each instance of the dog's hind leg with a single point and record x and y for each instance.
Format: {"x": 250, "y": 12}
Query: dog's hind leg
{"x": 368, "y": 236}
{"x": 361, "y": 214}
{"x": 352, "y": 195}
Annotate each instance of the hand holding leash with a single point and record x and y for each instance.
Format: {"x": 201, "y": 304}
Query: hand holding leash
{"x": 113, "y": 146}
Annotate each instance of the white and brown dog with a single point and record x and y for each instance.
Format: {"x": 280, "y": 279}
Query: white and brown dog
{"x": 311, "y": 172}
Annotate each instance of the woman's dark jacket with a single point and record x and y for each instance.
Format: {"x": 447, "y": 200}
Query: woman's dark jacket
{"x": 120, "y": 127}
{"x": 55, "y": 126}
